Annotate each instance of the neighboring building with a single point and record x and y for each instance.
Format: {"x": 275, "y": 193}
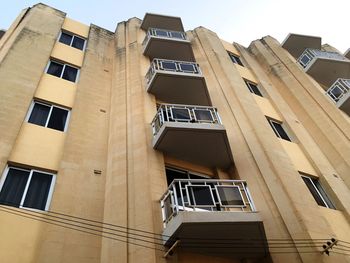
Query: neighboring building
{"x": 2, "y": 32}
{"x": 159, "y": 134}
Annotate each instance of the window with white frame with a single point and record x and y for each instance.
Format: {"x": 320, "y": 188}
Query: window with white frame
{"x": 317, "y": 191}
{"x": 26, "y": 188}
{"x": 49, "y": 116}
{"x": 63, "y": 71}
{"x": 72, "y": 40}
{"x": 253, "y": 88}
{"x": 278, "y": 129}
{"x": 235, "y": 59}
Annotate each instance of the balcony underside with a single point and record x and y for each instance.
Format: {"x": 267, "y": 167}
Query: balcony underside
{"x": 344, "y": 103}
{"x": 296, "y": 44}
{"x": 203, "y": 144}
{"x": 176, "y": 49}
{"x": 162, "y": 21}
{"x": 181, "y": 88}
{"x": 245, "y": 229}
{"x": 326, "y": 71}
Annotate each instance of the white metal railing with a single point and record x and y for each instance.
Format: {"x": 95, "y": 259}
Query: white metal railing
{"x": 309, "y": 54}
{"x": 184, "y": 113}
{"x": 164, "y": 33}
{"x": 339, "y": 89}
{"x": 205, "y": 195}
{"x": 172, "y": 66}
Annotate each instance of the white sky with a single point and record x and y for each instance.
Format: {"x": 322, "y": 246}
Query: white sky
{"x": 241, "y": 21}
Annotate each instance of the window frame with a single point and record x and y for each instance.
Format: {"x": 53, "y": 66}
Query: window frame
{"x": 31, "y": 171}
{"x": 271, "y": 121}
{"x": 248, "y": 83}
{"x": 325, "y": 199}
{"x": 63, "y": 69}
{"x": 71, "y": 42}
{"x": 31, "y": 107}
{"x": 234, "y": 58}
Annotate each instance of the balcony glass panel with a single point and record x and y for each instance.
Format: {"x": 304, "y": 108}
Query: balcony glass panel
{"x": 180, "y": 114}
{"x": 200, "y": 195}
{"x": 203, "y": 115}
{"x": 339, "y": 89}
{"x": 168, "y": 65}
{"x": 230, "y": 196}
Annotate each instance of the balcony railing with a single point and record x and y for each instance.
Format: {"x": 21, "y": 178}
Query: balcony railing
{"x": 184, "y": 113}
{"x": 339, "y": 89}
{"x": 164, "y": 33}
{"x": 172, "y": 66}
{"x": 309, "y": 54}
{"x": 205, "y": 195}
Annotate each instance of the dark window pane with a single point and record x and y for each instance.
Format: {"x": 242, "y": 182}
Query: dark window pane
{"x": 168, "y": 65}
{"x": 177, "y": 35}
{"x": 174, "y": 174}
{"x": 337, "y": 93}
{"x": 305, "y": 59}
{"x": 313, "y": 191}
{"x": 200, "y": 195}
{"x": 39, "y": 114}
{"x": 187, "y": 67}
{"x": 70, "y": 73}
{"x": 323, "y": 193}
{"x": 38, "y": 191}
{"x": 78, "y": 43}
{"x": 253, "y": 88}
{"x": 161, "y": 33}
{"x": 235, "y": 59}
{"x": 230, "y": 196}
{"x": 58, "y": 119}
{"x": 55, "y": 69}
{"x": 13, "y": 188}
{"x": 282, "y": 134}
{"x": 203, "y": 115}
{"x": 65, "y": 39}
{"x": 181, "y": 114}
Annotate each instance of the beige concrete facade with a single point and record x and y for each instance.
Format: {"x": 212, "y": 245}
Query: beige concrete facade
{"x": 106, "y": 169}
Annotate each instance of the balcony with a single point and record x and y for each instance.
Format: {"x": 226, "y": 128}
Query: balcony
{"x": 325, "y": 67}
{"x": 166, "y": 22}
{"x": 163, "y": 43}
{"x": 192, "y": 133}
{"x": 339, "y": 92}
{"x": 215, "y": 217}
{"x": 177, "y": 82}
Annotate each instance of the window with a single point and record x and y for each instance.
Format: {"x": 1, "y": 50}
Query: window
{"x": 317, "y": 192}
{"x": 72, "y": 40}
{"x": 48, "y": 116}
{"x": 63, "y": 71}
{"x": 26, "y": 188}
{"x": 235, "y": 59}
{"x": 253, "y": 88}
{"x": 278, "y": 129}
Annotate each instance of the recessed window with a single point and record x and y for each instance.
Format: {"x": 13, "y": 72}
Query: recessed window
{"x": 26, "y": 188}
{"x": 278, "y": 129}
{"x": 253, "y": 88}
{"x": 317, "y": 191}
{"x": 235, "y": 59}
{"x": 49, "y": 116}
{"x": 63, "y": 71}
{"x": 72, "y": 40}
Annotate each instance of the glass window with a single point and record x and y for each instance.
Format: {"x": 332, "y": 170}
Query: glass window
{"x": 177, "y": 35}
{"x": 72, "y": 40}
{"x": 187, "y": 67}
{"x": 168, "y": 65}
{"x": 26, "y": 188}
{"x": 70, "y": 73}
{"x": 48, "y": 116}
{"x": 78, "y": 43}
{"x": 305, "y": 59}
{"x": 317, "y": 192}
{"x": 161, "y": 33}
{"x": 55, "y": 69}
{"x": 253, "y": 88}
{"x": 230, "y": 196}
{"x": 65, "y": 39}
{"x": 180, "y": 114}
{"x": 203, "y": 115}
{"x": 235, "y": 59}
{"x": 200, "y": 195}
{"x": 278, "y": 129}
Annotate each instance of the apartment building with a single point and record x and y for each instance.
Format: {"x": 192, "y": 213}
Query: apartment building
{"x": 152, "y": 144}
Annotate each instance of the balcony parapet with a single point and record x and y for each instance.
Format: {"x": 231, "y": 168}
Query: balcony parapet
{"x": 339, "y": 92}
{"x": 309, "y": 55}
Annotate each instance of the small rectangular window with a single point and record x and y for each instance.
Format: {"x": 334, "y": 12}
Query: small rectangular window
{"x": 72, "y": 40}
{"x": 26, "y": 188}
{"x": 253, "y": 88}
{"x": 235, "y": 59}
{"x": 63, "y": 71}
{"x": 317, "y": 192}
{"x": 278, "y": 129}
{"x": 48, "y": 116}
